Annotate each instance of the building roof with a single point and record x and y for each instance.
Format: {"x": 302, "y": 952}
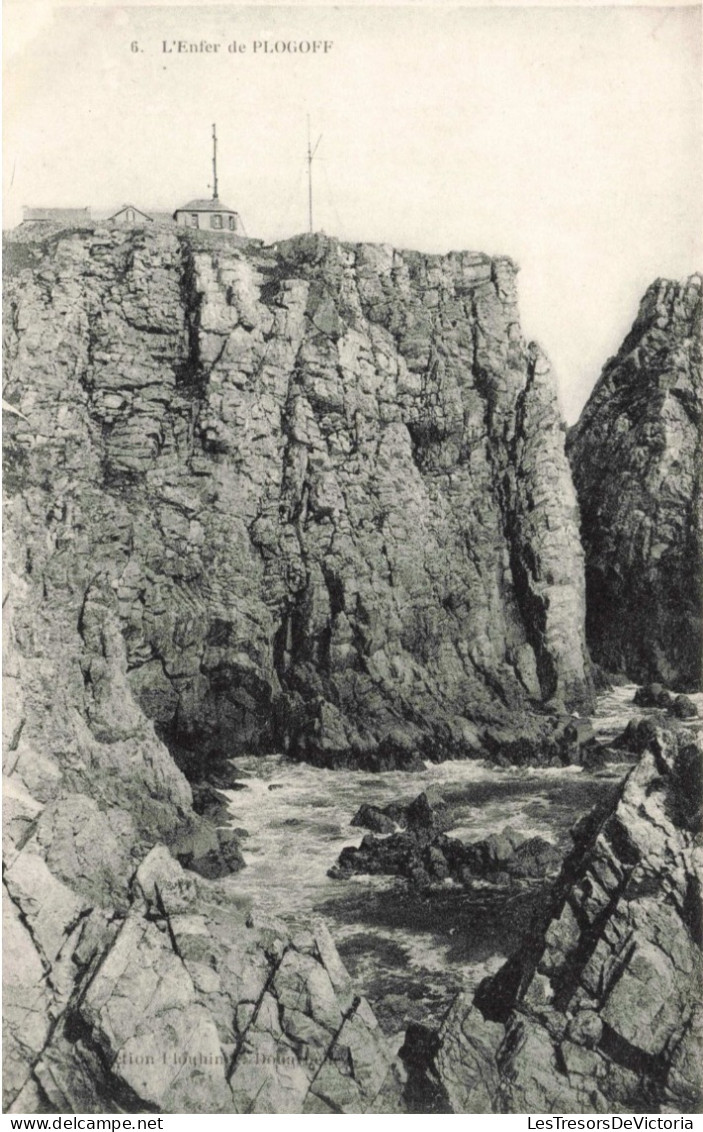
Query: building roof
{"x": 205, "y": 206}
{"x": 56, "y": 213}
{"x": 134, "y": 209}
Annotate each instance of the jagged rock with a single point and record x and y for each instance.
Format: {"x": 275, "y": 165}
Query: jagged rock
{"x": 579, "y": 733}
{"x": 453, "y": 1070}
{"x": 224, "y": 775}
{"x": 209, "y": 851}
{"x": 310, "y": 497}
{"x": 164, "y": 884}
{"x": 426, "y": 812}
{"x": 132, "y": 985}
{"x": 181, "y": 1004}
{"x": 594, "y": 757}
{"x": 424, "y": 855}
{"x": 315, "y": 493}
{"x": 378, "y": 820}
{"x": 393, "y": 856}
{"x": 636, "y": 460}
{"x": 683, "y": 707}
{"x": 599, "y": 1006}
{"x": 512, "y": 853}
{"x": 561, "y": 741}
{"x": 637, "y": 736}
{"x": 210, "y": 803}
{"x": 652, "y": 695}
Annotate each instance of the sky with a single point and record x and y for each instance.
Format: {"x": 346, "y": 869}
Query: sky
{"x": 569, "y": 138}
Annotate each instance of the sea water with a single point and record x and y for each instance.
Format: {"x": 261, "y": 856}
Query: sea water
{"x": 410, "y": 951}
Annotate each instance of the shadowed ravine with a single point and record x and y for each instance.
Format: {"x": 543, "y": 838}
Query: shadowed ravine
{"x": 410, "y": 951}
{"x": 297, "y": 522}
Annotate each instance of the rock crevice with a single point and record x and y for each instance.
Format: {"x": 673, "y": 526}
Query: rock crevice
{"x": 325, "y": 485}
{"x": 599, "y": 1010}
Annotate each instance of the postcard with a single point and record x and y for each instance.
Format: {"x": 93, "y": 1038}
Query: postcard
{"x": 352, "y": 626}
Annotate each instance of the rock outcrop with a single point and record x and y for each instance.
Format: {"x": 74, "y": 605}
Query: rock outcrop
{"x": 131, "y": 983}
{"x": 310, "y": 498}
{"x": 181, "y": 1003}
{"x": 318, "y": 491}
{"x": 423, "y": 854}
{"x": 636, "y": 460}
{"x": 653, "y": 695}
{"x": 600, "y": 1009}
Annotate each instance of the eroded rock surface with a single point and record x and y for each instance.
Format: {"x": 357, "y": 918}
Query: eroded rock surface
{"x": 501, "y": 858}
{"x": 636, "y": 460}
{"x": 319, "y": 491}
{"x": 424, "y": 855}
{"x": 130, "y": 983}
{"x": 311, "y": 497}
{"x": 185, "y": 1003}
{"x": 601, "y": 1006}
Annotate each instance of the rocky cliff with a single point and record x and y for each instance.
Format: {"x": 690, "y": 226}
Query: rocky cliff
{"x": 317, "y": 492}
{"x": 636, "y": 460}
{"x": 129, "y": 983}
{"x": 311, "y": 497}
{"x": 600, "y": 1010}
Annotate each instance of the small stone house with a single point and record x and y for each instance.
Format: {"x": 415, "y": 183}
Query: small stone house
{"x": 208, "y": 214}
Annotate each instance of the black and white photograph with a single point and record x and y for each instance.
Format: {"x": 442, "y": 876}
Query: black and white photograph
{"x": 352, "y": 578}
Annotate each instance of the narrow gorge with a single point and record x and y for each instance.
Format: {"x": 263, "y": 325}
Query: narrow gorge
{"x": 308, "y": 507}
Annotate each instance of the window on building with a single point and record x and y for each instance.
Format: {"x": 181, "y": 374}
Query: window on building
{"x": 216, "y": 221}
{"x": 194, "y": 220}
{"x": 232, "y": 224}
{"x": 130, "y": 214}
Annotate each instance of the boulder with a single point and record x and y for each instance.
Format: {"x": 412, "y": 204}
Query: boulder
{"x": 453, "y": 1070}
{"x": 371, "y": 817}
{"x": 637, "y": 736}
{"x": 683, "y": 708}
{"x": 535, "y": 858}
{"x": 209, "y": 851}
{"x": 651, "y": 695}
{"x": 424, "y": 855}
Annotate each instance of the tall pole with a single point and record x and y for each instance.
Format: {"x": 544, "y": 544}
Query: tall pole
{"x": 309, "y": 179}
{"x": 311, "y": 153}
{"x": 214, "y": 162}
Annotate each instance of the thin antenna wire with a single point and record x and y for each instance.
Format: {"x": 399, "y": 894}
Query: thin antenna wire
{"x": 331, "y": 197}
{"x": 311, "y": 154}
{"x": 292, "y": 199}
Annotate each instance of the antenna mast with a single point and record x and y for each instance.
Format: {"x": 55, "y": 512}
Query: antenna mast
{"x": 311, "y": 154}
{"x": 214, "y": 162}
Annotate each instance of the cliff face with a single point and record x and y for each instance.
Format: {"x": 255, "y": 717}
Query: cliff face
{"x": 318, "y": 491}
{"x": 312, "y": 497}
{"x": 600, "y": 1011}
{"x": 606, "y": 1012}
{"x": 636, "y": 460}
{"x": 130, "y": 984}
